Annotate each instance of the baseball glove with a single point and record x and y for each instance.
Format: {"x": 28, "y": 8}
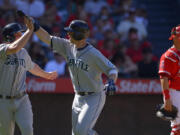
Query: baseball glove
{"x": 166, "y": 115}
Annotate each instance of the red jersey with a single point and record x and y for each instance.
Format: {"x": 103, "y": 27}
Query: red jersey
{"x": 170, "y": 66}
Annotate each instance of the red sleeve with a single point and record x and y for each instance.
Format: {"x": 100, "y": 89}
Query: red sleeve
{"x": 168, "y": 65}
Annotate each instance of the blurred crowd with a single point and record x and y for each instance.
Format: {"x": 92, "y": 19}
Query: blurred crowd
{"x": 118, "y": 29}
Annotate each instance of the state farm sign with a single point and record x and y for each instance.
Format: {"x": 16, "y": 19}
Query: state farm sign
{"x": 64, "y": 85}
{"x": 139, "y": 86}
{"x": 35, "y": 85}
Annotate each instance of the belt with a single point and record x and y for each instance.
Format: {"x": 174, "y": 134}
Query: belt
{"x": 84, "y": 93}
{"x": 13, "y": 97}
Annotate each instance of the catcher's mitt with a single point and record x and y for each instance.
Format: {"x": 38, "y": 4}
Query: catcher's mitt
{"x": 166, "y": 115}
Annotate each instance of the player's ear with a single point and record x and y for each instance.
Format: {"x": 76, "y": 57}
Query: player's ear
{"x": 87, "y": 34}
{"x": 17, "y": 35}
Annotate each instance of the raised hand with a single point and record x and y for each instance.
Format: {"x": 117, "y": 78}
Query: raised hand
{"x": 36, "y": 25}
{"x": 29, "y": 23}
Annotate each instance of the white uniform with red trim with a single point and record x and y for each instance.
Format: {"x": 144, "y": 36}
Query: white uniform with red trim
{"x": 170, "y": 67}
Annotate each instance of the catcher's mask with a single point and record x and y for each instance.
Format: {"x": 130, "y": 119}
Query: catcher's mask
{"x": 175, "y": 32}
{"x": 9, "y": 30}
{"x": 78, "y": 28}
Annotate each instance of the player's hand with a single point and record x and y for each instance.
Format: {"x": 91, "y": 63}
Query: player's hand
{"x": 29, "y": 23}
{"x": 110, "y": 87}
{"x": 167, "y": 105}
{"x": 52, "y": 75}
{"x": 26, "y": 18}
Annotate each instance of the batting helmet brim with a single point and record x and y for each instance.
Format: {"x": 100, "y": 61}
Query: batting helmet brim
{"x": 67, "y": 29}
{"x": 24, "y": 30}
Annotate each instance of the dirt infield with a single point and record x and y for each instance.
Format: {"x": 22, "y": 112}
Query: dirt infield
{"x": 122, "y": 115}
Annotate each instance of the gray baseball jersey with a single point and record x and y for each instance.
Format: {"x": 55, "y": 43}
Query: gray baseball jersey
{"x": 86, "y": 65}
{"x": 12, "y": 82}
{"x": 13, "y": 71}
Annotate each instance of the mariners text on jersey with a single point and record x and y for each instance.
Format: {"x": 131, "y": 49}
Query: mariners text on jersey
{"x": 11, "y": 60}
{"x": 78, "y": 63}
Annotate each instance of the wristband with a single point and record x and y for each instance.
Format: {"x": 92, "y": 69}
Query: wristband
{"x": 166, "y": 94}
{"x": 36, "y": 25}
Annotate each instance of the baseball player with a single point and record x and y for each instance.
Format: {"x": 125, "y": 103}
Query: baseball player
{"x": 15, "y": 105}
{"x": 86, "y": 65}
{"x": 169, "y": 71}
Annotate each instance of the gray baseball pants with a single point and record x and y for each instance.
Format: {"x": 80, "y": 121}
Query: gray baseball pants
{"x": 85, "y": 112}
{"x": 16, "y": 110}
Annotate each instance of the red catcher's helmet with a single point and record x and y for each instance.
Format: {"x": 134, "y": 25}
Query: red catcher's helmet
{"x": 175, "y": 32}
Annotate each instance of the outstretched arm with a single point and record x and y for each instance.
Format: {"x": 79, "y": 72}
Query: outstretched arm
{"x": 40, "y": 32}
{"x": 37, "y": 71}
{"x": 21, "y": 42}
{"x": 44, "y": 36}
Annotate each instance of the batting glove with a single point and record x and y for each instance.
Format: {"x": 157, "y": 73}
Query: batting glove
{"x": 35, "y": 22}
{"x": 110, "y": 87}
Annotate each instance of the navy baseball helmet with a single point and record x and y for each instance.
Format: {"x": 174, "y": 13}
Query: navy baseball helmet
{"x": 9, "y": 30}
{"x": 78, "y": 28}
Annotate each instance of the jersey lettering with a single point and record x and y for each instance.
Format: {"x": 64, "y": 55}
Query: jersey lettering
{"x": 78, "y": 63}
{"x": 15, "y": 61}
